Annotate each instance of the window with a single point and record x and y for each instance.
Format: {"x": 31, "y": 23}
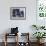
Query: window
{"x": 41, "y": 8}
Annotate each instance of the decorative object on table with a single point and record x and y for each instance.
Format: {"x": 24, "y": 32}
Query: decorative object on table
{"x": 18, "y": 13}
{"x": 14, "y": 30}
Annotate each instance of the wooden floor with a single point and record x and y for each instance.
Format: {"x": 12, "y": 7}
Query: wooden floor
{"x": 13, "y": 44}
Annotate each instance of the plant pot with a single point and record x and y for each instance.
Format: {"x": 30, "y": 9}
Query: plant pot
{"x": 40, "y": 41}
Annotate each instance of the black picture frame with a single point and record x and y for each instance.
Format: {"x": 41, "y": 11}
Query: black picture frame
{"x": 17, "y": 13}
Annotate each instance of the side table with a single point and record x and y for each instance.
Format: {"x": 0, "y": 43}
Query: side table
{"x": 8, "y": 34}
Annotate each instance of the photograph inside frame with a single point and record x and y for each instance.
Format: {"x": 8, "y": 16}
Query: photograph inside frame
{"x": 18, "y": 13}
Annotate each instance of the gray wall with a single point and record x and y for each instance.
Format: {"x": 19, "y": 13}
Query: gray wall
{"x": 24, "y": 25}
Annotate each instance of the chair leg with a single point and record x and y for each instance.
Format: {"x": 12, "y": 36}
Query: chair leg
{"x": 5, "y": 43}
{"x": 5, "y": 40}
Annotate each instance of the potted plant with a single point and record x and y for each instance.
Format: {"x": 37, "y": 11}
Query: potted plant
{"x": 39, "y": 35}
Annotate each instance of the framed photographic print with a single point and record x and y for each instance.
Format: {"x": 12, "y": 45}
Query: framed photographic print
{"x": 17, "y": 13}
